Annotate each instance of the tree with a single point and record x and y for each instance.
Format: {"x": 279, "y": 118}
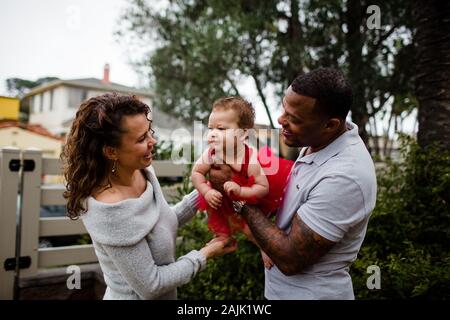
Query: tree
{"x": 205, "y": 47}
{"x": 19, "y": 87}
{"x": 202, "y": 54}
{"x": 433, "y": 71}
{"x": 343, "y": 38}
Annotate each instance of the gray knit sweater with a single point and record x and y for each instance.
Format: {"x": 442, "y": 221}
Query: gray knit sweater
{"x": 134, "y": 240}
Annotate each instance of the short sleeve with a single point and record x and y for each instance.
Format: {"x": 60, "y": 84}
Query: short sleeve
{"x": 333, "y": 206}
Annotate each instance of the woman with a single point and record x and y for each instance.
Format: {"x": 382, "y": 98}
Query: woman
{"x": 111, "y": 186}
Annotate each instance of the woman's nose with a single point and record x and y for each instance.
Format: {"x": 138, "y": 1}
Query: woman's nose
{"x": 152, "y": 141}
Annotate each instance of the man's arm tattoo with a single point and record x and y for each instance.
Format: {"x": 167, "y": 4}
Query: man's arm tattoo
{"x": 291, "y": 252}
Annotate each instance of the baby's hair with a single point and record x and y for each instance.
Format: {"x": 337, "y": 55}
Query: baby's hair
{"x": 243, "y": 109}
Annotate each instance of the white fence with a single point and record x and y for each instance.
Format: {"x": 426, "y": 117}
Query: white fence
{"x": 19, "y": 246}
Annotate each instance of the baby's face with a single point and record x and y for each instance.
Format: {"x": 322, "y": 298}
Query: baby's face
{"x": 224, "y": 133}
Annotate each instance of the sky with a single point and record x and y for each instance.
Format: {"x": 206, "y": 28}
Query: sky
{"x": 71, "y": 39}
{"x": 65, "y": 38}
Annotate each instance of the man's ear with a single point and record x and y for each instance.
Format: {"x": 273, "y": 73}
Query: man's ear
{"x": 333, "y": 124}
{"x": 110, "y": 153}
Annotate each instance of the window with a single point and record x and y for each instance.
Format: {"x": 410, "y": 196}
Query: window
{"x": 41, "y": 102}
{"x": 51, "y": 100}
{"x": 32, "y": 107}
{"x": 76, "y": 96}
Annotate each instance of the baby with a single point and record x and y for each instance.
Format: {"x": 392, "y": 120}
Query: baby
{"x": 229, "y": 124}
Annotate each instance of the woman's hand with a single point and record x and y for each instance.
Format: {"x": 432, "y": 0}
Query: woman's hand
{"x": 214, "y": 198}
{"x": 219, "y": 246}
{"x": 232, "y": 187}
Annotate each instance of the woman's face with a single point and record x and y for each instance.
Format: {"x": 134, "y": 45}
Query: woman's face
{"x": 224, "y": 132}
{"x": 135, "y": 151}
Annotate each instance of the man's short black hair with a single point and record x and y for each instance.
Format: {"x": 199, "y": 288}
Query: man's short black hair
{"x": 329, "y": 87}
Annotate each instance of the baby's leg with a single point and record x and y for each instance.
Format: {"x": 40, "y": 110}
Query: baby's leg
{"x": 268, "y": 263}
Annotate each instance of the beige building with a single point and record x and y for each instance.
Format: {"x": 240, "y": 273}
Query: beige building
{"x": 53, "y": 105}
{"x": 22, "y": 136}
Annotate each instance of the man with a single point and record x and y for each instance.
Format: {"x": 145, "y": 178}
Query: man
{"x": 331, "y": 192}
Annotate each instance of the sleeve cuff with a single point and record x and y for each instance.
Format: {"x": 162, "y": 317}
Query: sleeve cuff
{"x": 198, "y": 257}
{"x": 187, "y": 207}
{"x": 320, "y": 231}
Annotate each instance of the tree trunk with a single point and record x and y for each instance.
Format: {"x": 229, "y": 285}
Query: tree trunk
{"x": 432, "y": 39}
{"x": 375, "y": 138}
{"x": 354, "y": 43}
{"x": 263, "y": 98}
{"x": 295, "y": 45}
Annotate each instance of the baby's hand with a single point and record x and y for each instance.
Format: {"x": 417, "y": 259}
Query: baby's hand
{"x": 268, "y": 263}
{"x": 232, "y": 187}
{"x": 214, "y": 198}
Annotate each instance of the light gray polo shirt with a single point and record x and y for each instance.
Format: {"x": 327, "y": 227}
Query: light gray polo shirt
{"x": 333, "y": 191}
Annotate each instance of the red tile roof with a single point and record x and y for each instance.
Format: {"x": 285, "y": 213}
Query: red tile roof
{"x": 35, "y": 128}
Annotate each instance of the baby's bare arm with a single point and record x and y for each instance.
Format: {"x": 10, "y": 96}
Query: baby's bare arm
{"x": 199, "y": 171}
{"x": 261, "y": 186}
{"x": 201, "y": 168}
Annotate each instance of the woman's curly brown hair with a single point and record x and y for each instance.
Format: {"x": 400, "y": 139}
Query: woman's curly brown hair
{"x": 97, "y": 124}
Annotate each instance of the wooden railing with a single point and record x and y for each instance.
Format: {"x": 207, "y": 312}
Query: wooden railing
{"x": 26, "y": 185}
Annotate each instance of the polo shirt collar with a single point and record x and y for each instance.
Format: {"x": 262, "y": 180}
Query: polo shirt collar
{"x": 349, "y": 137}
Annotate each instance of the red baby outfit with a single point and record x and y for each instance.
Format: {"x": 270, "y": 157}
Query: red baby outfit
{"x": 223, "y": 220}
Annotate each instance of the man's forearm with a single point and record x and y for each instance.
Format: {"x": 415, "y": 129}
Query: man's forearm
{"x": 271, "y": 239}
{"x": 292, "y": 252}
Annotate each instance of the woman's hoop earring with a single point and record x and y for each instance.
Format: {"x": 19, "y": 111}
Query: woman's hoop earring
{"x": 114, "y": 168}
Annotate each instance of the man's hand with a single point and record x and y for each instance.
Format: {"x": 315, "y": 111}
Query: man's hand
{"x": 218, "y": 175}
{"x": 213, "y": 198}
{"x": 232, "y": 187}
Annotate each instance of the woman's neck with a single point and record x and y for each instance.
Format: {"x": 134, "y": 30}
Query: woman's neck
{"x": 124, "y": 177}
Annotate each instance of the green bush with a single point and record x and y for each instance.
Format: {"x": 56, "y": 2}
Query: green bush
{"x": 163, "y": 150}
{"x": 408, "y": 236}
{"x": 238, "y": 275}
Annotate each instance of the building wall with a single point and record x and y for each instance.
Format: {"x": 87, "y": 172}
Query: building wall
{"x": 23, "y": 139}
{"x": 9, "y": 108}
{"x": 70, "y": 112}
{"x": 65, "y": 102}
{"x": 51, "y": 108}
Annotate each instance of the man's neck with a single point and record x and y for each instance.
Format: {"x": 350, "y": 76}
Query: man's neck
{"x": 312, "y": 149}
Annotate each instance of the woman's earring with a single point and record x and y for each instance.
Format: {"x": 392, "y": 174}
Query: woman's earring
{"x": 114, "y": 168}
